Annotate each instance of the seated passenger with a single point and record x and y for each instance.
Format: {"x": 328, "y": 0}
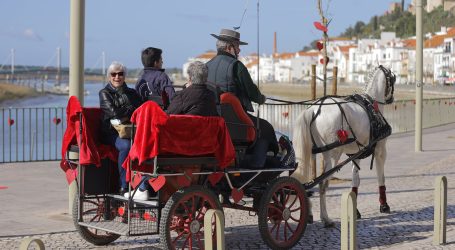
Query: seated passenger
{"x": 118, "y": 103}
{"x": 231, "y": 75}
{"x": 196, "y": 98}
{"x": 153, "y": 83}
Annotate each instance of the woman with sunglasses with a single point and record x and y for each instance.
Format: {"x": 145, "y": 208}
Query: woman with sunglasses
{"x": 118, "y": 103}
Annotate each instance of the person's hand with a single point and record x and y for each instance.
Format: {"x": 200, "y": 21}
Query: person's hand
{"x": 262, "y": 99}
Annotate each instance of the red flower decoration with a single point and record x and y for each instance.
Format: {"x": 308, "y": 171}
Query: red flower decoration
{"x": 342, "y": 135}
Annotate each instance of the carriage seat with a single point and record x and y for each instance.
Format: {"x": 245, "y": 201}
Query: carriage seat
{"x": 241, "y": 127}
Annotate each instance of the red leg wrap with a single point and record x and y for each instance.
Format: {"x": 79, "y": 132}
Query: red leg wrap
{"x": 355, "y": 190}
{"x": 382, "y": 196}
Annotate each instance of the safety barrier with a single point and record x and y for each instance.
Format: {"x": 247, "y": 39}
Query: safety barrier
{"x": 219, "y": 228}
{"x": 35, "y": 134}
{"x": 348, "y": 221}
{"x": 440, "y": 210}
{"x": 28, "y": 242}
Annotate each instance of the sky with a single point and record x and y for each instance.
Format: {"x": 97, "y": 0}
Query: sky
{"x": 182, "y": 28}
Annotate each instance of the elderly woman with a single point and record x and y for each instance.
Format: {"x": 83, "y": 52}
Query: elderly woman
{"x": 196, "y": 98}
{"x": 118, "y": 103}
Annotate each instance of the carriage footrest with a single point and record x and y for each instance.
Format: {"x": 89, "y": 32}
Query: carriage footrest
{"x": 115, "y": 216}
{"x": 316, "y": 150}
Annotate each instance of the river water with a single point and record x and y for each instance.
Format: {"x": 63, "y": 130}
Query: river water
{"x": 31, "y": 129}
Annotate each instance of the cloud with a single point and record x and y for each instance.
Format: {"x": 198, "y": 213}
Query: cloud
{"x": 32, "y": 35}
{"x": 27, "y": 34}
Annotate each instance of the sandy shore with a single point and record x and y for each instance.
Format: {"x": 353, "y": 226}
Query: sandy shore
{"x": 12, "y": 91}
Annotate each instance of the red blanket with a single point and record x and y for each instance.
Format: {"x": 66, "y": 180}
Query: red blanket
{"x": 91, "y": 151}
{"x": 157, "y": 133}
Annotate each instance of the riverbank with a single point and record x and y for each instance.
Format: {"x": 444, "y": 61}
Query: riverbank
{"x": 11, "y": 91}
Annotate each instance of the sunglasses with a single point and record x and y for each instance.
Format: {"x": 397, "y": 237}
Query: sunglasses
{"x": 113, "y": 74}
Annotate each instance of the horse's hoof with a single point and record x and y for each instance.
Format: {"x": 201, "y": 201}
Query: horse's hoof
{"x": 384, "y": 208}
{"x": 359, "y": 216}
{"x": 310, "y": 219}
{"x": 329, "y": 224}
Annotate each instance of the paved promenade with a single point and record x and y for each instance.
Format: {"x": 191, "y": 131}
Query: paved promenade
{"x": 34, "y": 202}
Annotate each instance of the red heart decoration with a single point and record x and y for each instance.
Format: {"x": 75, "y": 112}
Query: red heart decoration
{"x": 3, "y": 187}
{"x": 157, "y": 183}
{"x": 237, "y": 195}
{"x": 376, "y": 106}
{"x": 320, "y": 27}
{"x": 322, "y": 60}
{"x": 319, "y": 45}
{"x": 214, "y": 178}
{"x": 149, "y": 217}
{"x": 136, "y": 180}
{"x": 56, "y": 120}
{"x": 342, "y": 135}
{"x": 185, "y": 179}
{"x": 70, "y": 175}
{"x": 286, "y": 114}
{"x": 10, "y": 121}
{"x": 121, "y": 211}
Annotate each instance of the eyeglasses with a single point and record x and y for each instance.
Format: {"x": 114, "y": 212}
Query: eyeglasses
{"x": 113, "y": 74}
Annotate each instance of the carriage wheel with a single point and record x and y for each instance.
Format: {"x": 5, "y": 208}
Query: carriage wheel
{"x": 93, "y": 210}
{"x": 182, "y": 220}
{"x": 283, "y": 213}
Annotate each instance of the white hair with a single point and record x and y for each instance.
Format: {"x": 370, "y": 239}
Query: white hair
{"x": 117, "y": 66}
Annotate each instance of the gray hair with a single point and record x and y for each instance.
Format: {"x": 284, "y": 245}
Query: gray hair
{"x": 117, "y": 66}
{"x": 222, "y": 45}
{"x": 198, "y": 72}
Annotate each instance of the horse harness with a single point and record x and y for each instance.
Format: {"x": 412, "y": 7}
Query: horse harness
{"x": 379, "y": 128}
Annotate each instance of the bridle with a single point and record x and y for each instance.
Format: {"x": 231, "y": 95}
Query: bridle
{"x": 390, "y": 84}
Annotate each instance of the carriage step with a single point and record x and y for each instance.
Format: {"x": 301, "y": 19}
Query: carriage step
{"x": 108, "y": 226}
{"x": 153, "y": 202}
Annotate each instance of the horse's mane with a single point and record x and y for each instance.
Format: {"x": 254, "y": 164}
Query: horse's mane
{"x": 370, "y": 78}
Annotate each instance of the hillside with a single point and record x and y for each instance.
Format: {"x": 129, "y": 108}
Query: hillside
{"x": 403, "y": 23}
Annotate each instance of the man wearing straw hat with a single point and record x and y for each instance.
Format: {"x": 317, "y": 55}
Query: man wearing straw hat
{"x": 231, "y": 75}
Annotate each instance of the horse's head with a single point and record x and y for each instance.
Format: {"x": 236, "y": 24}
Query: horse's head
{"x": 381, "y": 86}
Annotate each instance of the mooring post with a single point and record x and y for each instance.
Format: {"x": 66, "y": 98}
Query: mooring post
{"x": 219, "y": 225}
{"x": 348, "y": 221}
{"x": 440, "y": 210}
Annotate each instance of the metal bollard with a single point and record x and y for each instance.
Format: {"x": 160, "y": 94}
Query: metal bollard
{"x": 26, "y": 242}
{"x": 219, "y": 222}
{"x": 72, "y": 188}
{"x": 348, "y": 221}
{"x": 440, "y": 210}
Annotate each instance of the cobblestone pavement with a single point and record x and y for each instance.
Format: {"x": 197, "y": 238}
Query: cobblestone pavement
{"x": 410, "y": 181}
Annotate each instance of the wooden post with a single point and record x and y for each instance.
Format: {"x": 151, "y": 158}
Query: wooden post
{"x": 440, "y": 211}
{"x": 313, "y": 96}
{"x": 335, "y": 80}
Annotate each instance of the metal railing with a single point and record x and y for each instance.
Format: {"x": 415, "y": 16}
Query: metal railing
{"x": 31, "y": 134}
{"x": 35, "y": 134}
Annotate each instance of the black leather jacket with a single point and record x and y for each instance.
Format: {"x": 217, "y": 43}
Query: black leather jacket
{"x": 117, "y": 104}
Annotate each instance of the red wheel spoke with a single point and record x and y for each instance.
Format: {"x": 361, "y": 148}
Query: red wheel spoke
{"x": 296, "y": 197}
{"x": 273, "y": 228}
{"x": 94, "y": 218}
{"x": 274, "y": 208}
{"x": 179, "y": 235}
{"x": 89, "y": 211}
{"x": 190, "y": 241}
{"x": 288, "y": 225}
{"x": 297, "y": 209}
{"x": 294, "y": 219}
{"x": 277, "y": 233}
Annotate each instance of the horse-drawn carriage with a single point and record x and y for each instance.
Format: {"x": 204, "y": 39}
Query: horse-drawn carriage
{"x": 193, "y": 164}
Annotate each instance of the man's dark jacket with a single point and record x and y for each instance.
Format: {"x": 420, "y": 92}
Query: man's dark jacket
{"x": 197, "y": 99}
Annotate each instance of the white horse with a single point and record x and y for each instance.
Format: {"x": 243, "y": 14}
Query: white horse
{"x": 320, "y": 124}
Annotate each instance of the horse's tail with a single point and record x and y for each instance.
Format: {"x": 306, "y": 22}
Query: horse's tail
{"x": 302, "y": 145}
